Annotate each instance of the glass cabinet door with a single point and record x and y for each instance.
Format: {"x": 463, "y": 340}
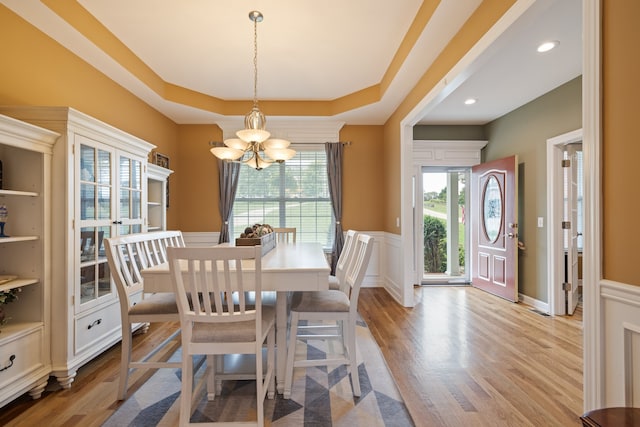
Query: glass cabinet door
{"x": 94, "y": 269}
{"x": 96, "y": 212}
{"x": 95, "y": 184}
{"x": 111, "y": 190}
{"x": 130, "y": 202}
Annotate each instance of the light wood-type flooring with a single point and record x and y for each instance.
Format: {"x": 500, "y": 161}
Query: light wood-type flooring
{"x": 460, "y": 357}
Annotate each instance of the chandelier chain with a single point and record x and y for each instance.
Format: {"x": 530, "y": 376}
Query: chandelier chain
{"x": 255, "y": 62}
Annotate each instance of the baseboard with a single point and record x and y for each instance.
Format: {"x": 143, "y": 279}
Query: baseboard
{"x": 537, "y": 304}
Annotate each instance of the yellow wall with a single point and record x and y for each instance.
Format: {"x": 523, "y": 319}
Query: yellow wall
{"x": 620, "y": 147}
{"x": 363, "y": 180}
{"x": 38, "y": 71}
{"x": 196, "y": 190}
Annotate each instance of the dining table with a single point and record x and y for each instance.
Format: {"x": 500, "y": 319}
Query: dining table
{"x": 286, "y": 268}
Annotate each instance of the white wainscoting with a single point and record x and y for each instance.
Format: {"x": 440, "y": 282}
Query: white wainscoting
{"x": 374, "y": 277}
{"x": 620, "y": 351}
{"x": 392, "y": 265}
{"x": 200, "y": 238}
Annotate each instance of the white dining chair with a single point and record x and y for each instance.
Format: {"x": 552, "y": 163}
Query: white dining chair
{"x": 285, "y": 234}
{"x": 216, "y": 319}
{"x": 335, "y": 306}
{"x": 126, "y": 256}
{"x": 345, "y": 257}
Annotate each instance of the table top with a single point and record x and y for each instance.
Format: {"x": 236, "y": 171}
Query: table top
{"x": 287, "y": 267}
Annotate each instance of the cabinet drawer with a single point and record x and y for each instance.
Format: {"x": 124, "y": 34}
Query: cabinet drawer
{"x": 93, "y": 327}
{"x": 26, "y": 352}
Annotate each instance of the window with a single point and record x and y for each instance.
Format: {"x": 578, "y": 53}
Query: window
{"x": 290, "y": 194}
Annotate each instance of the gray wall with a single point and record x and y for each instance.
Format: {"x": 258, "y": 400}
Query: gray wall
{"x": 524, "y": 132}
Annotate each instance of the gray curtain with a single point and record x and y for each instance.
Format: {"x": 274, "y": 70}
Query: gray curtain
{"x": 334, "y": 172}
{"x": 228, "y": 173}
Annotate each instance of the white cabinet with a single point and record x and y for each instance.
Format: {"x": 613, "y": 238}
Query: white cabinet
{"x": 26, "y": 154}
{"x": 99, "y": 181}
{"x": 157, "y": 197}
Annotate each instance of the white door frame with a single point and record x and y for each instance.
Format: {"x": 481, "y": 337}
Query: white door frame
{"x": 438, "y": 154}
{"x": 555, "y": 247}
{"x": 592, "y": 239}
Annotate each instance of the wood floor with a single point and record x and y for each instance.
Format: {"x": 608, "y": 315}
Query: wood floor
{"x": 460, "y": 357}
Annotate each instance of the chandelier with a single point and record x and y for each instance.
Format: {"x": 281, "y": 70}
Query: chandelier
{"x": 252, "y": 145}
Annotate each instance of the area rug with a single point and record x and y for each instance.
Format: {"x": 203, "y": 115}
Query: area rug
{"x": 320, "y": 397}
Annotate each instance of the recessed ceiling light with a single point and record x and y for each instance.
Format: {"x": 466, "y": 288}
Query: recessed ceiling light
{"x": 547, "y": 46}
{"x": 470, "y": 101}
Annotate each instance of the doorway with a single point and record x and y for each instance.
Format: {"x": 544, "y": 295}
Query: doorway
{"x": 565, "y": 221}
{"x": 445, "y": 230}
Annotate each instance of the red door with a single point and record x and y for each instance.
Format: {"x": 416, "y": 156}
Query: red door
{"x": 494, "y": 229}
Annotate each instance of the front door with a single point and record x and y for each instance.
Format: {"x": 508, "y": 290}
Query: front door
{"x": 494, "y": 228}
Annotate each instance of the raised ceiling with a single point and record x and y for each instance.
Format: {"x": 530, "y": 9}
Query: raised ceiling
{"x": 191, "y": 59}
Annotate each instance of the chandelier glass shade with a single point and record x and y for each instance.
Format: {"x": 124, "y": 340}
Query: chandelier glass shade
{"x": 252, "y": 145}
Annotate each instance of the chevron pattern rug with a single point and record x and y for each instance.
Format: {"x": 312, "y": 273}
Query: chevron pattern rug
{"x": 320, "y": 397}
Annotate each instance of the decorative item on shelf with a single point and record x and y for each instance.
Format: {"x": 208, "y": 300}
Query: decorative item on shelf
{"x": 259, "y": 234}
{"x": 161, "y": 160}
{"x": 4, "y": 215}
{"x": 5, "y": 298}
{"x": 253, "y": 146}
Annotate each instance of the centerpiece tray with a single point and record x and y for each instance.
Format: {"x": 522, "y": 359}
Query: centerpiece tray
{"x": 268, "y": 242}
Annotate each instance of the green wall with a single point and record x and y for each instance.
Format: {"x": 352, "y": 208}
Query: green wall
{"x": 449, "y": 133}
{"x": 524, "y": 132}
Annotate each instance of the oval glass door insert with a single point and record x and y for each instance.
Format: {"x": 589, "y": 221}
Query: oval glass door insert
{"x": 492, "y": 209}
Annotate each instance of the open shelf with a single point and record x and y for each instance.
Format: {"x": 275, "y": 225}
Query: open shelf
{"x": 17, "y": 283}
{"x": 12, "y": 239}
{"x": 18, "y": 193}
